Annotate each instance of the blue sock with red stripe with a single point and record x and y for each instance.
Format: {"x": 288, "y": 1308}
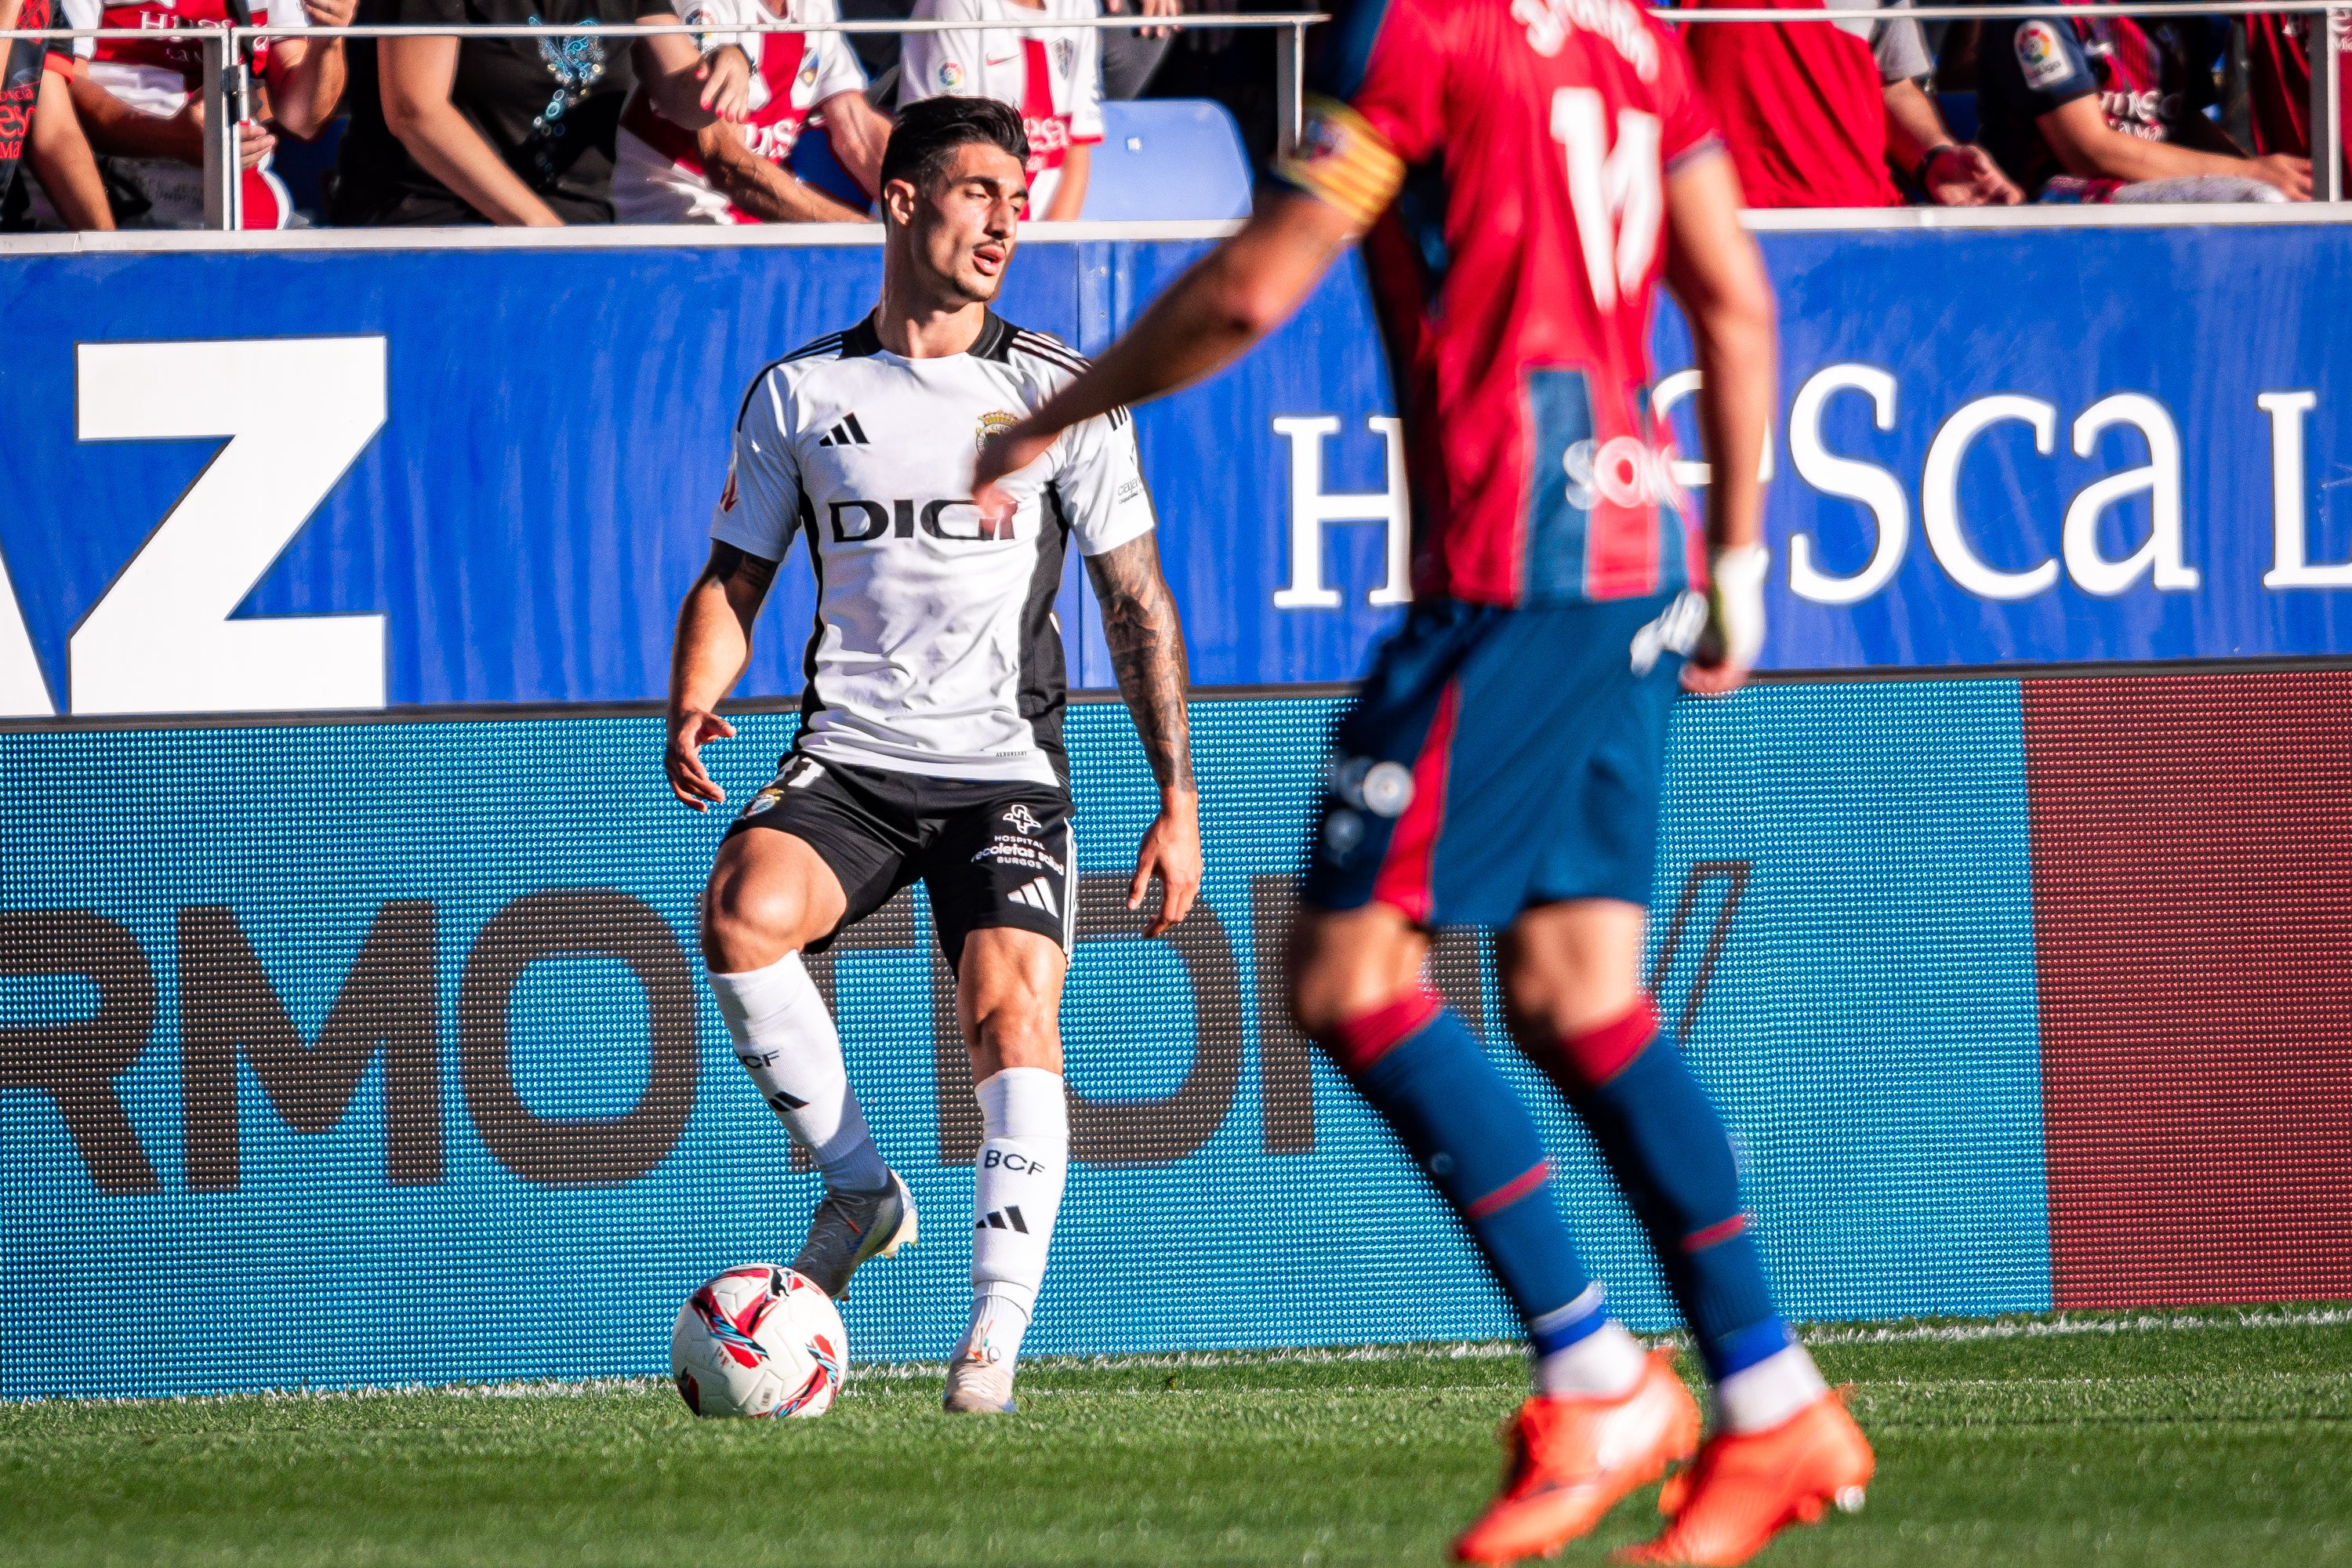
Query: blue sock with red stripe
{"x": 1673, "y": 1160}
{"x": 1422, "y": 1069}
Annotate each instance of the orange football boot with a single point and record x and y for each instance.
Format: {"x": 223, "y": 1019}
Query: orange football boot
{"x": 1573, "y": 1459}
{"x": 1748, "y": 1487}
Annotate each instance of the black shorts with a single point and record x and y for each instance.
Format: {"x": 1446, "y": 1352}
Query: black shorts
{"x": 991, "y": 853}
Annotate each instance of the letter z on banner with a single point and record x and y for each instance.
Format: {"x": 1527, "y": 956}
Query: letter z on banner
{"x": 297, "y": 411}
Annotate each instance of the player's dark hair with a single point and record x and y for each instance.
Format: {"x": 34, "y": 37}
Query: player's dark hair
{"x": 927, "y": 134}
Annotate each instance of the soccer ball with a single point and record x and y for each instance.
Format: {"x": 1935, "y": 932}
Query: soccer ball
{"x": 758, "y": 1341}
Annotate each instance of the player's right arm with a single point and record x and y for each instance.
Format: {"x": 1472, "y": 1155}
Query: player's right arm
{"x": 1378, "y": 109}
{"x": 750, "y": 531}
{"x": 712, "y": 648}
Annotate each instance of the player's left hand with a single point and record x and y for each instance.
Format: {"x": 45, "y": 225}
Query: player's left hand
{"x": 726, "y": 78}
{"x": 331, "y": 13}
{"x": 1734, "y": 633}
{"x": 1171, "y": 851}
{"x": 1007, "y": 452}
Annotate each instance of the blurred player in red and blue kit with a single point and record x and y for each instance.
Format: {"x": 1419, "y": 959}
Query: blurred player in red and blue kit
{"x": 1521, "y": 173}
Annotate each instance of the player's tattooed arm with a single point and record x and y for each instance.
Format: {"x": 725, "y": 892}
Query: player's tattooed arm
{"x": 1147, "y": 653}
{"x": 712, "y": 647}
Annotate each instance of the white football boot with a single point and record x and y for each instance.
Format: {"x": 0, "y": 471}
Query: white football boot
{"x": 980, "y": 1374}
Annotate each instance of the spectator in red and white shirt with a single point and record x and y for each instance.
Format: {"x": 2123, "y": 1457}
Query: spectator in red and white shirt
{"x": 1052, "y": 75}
{"x": 1815, "y": 114}
{"x": 38, "y": 127}
{"x": 142, "y": 101}
{"x": 663, "y": 173}
{"x": 2278, "y": 80}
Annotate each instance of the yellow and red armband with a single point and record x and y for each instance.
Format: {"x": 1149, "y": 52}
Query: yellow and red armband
{"x": 1347, "y": 162}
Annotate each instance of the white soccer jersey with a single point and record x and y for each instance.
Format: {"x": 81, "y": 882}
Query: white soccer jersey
{"x": 657, "y": 175}
{"x": 1052, "y": 75}
{"x": 936, "y": 648}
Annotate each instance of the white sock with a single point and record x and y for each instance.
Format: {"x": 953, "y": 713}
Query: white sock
{"x": 1016, "y": 1194}
{"x": 1759, "y": 1398}
{"x": 785, "y": 1040}
{"x": 1606, "y": 1364}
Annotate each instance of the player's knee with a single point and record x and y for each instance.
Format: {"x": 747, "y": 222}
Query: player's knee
{"x": 750, "y": 923}
{"x": 1568, "y": 969}
{"x": 1010, "y": 992}
{"x": 1331, "y": 983}
{"x": 1014, "y": 1025}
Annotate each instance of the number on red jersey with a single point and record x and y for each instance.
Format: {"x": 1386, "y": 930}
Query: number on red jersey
{"x": 1615, "y": 192}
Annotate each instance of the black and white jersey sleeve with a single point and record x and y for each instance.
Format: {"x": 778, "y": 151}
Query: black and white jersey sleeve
{"x": 759, "y": 509}
{"x": 936, "y": 649}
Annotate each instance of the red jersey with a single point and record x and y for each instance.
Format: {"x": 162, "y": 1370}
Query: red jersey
{"x": 2278, "y": 72}
{"x": 1529, "y": 142}
{"x": 1802, "y": 107}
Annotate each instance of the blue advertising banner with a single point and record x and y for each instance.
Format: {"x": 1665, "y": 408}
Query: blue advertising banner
{"x": 375, "y": 1052}
{"x": 482, "y": 475}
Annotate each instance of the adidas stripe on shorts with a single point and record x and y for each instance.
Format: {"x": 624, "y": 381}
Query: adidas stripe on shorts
{"x": 991, "y": 852}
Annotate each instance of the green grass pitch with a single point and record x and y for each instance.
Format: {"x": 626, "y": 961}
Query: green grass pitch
{"x": 2207, "y": 1437}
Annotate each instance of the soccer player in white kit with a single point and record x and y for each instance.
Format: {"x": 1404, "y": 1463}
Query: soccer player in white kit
{"x": 930, "y": 741}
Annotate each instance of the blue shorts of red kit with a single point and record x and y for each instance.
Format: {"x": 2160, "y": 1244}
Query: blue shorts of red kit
{"x": 1501, "y": 758}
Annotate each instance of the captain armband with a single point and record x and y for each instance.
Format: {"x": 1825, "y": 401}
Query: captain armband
{"x": 1343, "y": 160}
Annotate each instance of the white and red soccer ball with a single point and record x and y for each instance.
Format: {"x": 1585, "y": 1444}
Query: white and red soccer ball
{"x": 759, "y": 1340}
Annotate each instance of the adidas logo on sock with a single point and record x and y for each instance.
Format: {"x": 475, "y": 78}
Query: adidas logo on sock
{"x": 848, "y": 433}
{"x": 1039, "y": 895}
{"x": 1006, "y": 1218}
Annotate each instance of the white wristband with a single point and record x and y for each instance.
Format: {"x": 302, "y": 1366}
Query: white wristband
{"x": 1736, "y": 604}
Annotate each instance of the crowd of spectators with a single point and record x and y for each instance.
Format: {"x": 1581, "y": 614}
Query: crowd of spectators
{"x": 685, "y": 128}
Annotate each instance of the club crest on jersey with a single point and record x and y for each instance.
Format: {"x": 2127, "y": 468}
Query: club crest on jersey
{"x": 1065, "y": 56}
{"x": 993, "y": 423}
{"x": 2039, "y": 55}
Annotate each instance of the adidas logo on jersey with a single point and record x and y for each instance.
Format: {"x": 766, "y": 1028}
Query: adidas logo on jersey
{"x": 1038, "y": 895}
{"x": 848, "y": 433}
{"x": 1006, "y": 1218}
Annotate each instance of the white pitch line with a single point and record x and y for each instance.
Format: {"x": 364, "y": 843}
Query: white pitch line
{"x": 1327, "y": 1355}
{"x": 1956, "y": 1333}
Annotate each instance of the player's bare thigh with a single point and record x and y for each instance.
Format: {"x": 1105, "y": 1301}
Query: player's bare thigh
{"x": 1008, "y": 1000}
{"x": 1571, "y": 967}
{"x": 1344, "y": 964}
{"x": 770, "y": 894}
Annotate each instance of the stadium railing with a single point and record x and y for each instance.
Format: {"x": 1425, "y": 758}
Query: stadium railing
{"x": 224, "y": 83}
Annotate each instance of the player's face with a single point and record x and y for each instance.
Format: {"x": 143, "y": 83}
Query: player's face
{"x": 963, "y": 226}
